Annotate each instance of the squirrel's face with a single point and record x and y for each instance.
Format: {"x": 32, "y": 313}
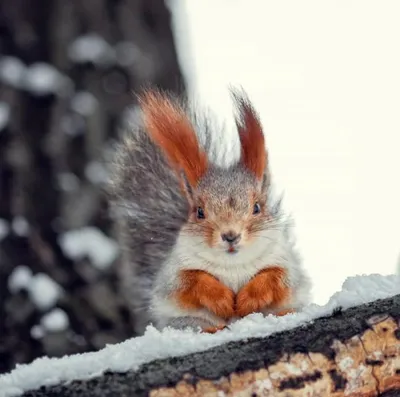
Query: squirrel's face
{"x": 228, "y": 211}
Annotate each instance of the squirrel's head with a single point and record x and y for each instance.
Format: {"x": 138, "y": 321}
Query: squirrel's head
{"x": 228, "y": 207}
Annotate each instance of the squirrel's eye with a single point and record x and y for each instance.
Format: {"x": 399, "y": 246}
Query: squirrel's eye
{"x": 256, "y": 209}
{"x": 200, "y": 213}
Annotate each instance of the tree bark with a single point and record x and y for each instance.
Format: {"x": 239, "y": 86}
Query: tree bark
{"x": 53, "y": 148}
{"x": 354, "y": 352}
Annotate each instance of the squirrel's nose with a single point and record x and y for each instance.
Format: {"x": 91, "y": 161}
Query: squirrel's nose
{"x": 230, "y": 237}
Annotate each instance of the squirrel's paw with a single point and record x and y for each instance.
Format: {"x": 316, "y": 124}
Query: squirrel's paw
{"x": 267, "y": 288}
{"x": 213, "y": 330}
{"x": 283, "y": 312}
{"x": 219, "y": 299}
{"x": 202, "y": 290}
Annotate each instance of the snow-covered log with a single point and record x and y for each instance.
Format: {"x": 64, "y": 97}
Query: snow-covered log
{"x": 350, "y": 353}
{"x": 349, "y": 347}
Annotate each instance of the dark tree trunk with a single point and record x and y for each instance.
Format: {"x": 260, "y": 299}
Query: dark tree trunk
{"x": 68, "y": 71}
{"x": 355, "y": 353}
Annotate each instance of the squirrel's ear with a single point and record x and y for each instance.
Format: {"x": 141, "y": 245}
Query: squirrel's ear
{"x": 170, "y": 129}
{"x": 254, "y": 155}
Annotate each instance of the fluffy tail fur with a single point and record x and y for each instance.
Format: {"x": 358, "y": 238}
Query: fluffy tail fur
{"x": 150, "y": 165}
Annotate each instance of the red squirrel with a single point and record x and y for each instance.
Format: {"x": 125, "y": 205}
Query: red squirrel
{"x": 202, "y": 245}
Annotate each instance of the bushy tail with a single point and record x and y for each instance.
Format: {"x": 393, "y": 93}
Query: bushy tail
{"x": 145, "y": 193}
{"x": 147, "y": 197}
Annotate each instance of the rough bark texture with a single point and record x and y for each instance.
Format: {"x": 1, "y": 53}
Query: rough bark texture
{"x": 56, "y": 128}
{"x": 355, "y": 352}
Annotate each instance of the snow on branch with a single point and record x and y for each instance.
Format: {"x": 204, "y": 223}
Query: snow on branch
{"x": 350, "y": 346}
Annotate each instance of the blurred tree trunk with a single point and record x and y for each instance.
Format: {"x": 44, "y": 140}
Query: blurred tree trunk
{"x": 68, "y": 71}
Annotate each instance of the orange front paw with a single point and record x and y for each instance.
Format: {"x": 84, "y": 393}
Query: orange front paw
{"x": 219, "y": 299}
{"x": 282, "y": 313}
{"x": 202, "y": 290}
{"x": 213, "y": 330}
{"x": 267, "y": 288}
{"x": 252, "y": 298}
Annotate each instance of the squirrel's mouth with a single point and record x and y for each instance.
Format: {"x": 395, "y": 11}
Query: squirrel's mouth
{"x": 232, "y": 250}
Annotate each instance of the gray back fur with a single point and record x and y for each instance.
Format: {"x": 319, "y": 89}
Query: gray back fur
{"x": 149, "y": 210}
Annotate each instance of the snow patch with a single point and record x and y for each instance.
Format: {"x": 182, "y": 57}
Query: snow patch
{"x": 39, "y": 78}
{"x": 346, "y": 363}
{"x": 37, "y": 332}
{"x": 91, "y": 48}
{"x": 43, "y": 79}
{"x": 4, "y": 229}
{"x": 84, "y": 103}
{"x": 90, "y": 242}
{"x": 4, "y": 114}
{"x": 19, "y": 279}
{"x": 154, "y": 344}
{"x": 55, "y": 321}
{"x": 12, "y": 71}
{"x": 44, "y": 291}
{"x": 20, "y": 226}
{"x": 68, "y": 181}
{"x": 96, "y": 172}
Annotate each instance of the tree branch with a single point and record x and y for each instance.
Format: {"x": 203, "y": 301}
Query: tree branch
{"x": 353, "y": 352}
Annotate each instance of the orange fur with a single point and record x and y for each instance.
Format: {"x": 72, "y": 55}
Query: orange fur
{"x": 202, "y": 290}
{"x": 170, "y": 128}
{"x": 208, "y": 230}
{"x": 256, "y": 223}
{"x": 282, "y": 313}
{"x": 267, "y": 288}
{"x": 254, "y": 154}
{"x": 213, "y": 330}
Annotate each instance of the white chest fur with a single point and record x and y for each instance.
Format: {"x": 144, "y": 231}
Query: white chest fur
{"x": 232, "y": 270}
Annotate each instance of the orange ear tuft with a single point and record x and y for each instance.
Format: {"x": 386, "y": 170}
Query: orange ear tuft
{"x": 170, "y": 129}
{"x": 254, "y": 155}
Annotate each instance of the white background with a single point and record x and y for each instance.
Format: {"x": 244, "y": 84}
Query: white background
{"x": 325, "y": 77}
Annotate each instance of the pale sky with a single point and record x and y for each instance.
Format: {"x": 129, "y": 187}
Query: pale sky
{"x": 325, "y": 77}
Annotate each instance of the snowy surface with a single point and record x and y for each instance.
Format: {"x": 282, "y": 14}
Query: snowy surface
{"x": 90, "y": 242}
{"x": 134, "y": 352}
{"x": 325, "y": 79}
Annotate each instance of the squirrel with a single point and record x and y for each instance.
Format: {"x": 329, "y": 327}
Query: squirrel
{"x": 202, "y": 245}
